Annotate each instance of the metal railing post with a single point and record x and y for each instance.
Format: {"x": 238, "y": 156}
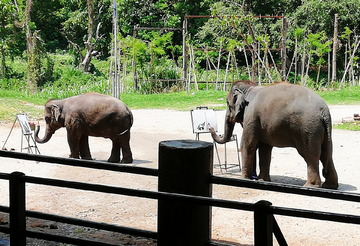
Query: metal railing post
{"x": 263, "y": 224}
{"x": 184, "y": 167}
{"x": 17, "y": 209}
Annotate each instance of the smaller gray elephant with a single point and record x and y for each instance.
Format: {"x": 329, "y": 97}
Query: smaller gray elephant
{"x": 281, "y": 115}
{"x": 90, "y": 114}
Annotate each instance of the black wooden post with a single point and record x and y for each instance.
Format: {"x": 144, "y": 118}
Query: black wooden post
{"x": 184, "y": 167}
{"x": 17, "y": 209}
{"x": 263, "y": 224}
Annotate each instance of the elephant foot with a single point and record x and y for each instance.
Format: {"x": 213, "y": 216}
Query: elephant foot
{"x": 75, "y": 157}
{"x": 312, "y": 185}
{"x": 128, "y": 160}
{"x": 114, "y": 159}
{"x": 86, "y": 158}
{"x": 330, "y": 185}
{"x": 264, "y": 178}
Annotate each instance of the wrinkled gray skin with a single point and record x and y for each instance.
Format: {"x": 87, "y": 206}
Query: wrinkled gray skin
{"x": 90, "y": 114}
{"x": 281, "y": 115}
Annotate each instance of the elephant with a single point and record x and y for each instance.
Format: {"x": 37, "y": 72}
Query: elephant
{"x": 281, "y": 115}
{"x": 90, "y": 114}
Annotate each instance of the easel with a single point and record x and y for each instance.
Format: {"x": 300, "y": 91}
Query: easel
{"x": 26, "y": 132}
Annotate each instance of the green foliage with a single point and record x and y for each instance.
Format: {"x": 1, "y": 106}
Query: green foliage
{"x": 316, "y": 16}
{"x": 67, "y": 79}
{"x": 158, "y": 54}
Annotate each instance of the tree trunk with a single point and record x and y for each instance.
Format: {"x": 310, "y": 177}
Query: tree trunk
{"x": 3, "y": 63}
{"x": 335, "y": 45}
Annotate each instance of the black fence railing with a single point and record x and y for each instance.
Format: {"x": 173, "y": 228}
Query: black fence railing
{"x": 265, "y": 225}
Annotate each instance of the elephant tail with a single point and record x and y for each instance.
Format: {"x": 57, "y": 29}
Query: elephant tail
{"x": 131, "y": 119}
{"x": 326, "y": 117}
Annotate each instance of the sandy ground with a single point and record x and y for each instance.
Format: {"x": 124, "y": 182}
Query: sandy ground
{"x": 151, "y": 127}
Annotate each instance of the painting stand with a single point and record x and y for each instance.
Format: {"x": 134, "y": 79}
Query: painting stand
{"x": 26, "y": 133}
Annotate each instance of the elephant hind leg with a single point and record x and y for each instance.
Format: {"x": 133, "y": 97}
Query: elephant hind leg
{"x": 115, "y": 152}
{"x": 329, "y": 172}
{"x": 313, "y": 177}
{"x": 122, "y": 143}
{"x": 311, "y": 156}
{"x": 125, "y": 148}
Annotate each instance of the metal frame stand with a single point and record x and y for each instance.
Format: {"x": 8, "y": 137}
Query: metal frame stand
{"x": 200, "y": 124}
{"x": 26, "y": 132}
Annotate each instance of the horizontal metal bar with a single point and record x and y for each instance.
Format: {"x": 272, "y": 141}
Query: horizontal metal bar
{"x": 81, "y": 163}
{"x": 141, "y": 193}
{"x": 67, "y": 240}
{"x": 161, "y": 80}
{"x": 4, "y": 229}
{"x": 286, "y": 188}
{"x": 159, "y": 28}
{"x": 309, "y": 214}
{"x": 4, "y": 209}
{"x": 4, "y": 176}
{"x": 238, "y": 16}
{"x": 92, "y": 224}
{"x": 206, "y": 201}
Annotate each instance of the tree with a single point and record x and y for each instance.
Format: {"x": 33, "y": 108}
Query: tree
{"x": 47, "y": 17}
{"x": 7, "y": 12}
{"x": 88, "y": 37}
{"x": 317, "y": 16}
{"x": 37, "y": 72}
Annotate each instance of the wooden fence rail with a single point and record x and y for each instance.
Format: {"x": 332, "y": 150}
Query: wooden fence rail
{"x": 265, "y": 225}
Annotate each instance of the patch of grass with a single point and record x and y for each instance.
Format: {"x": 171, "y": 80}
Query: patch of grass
{"x": 10, "y": 107}
{"x": 14, "y": 102}
{"x": 346, "y": 96}
{"x": 176, "y": 100}
{"x": 350, "y": 126}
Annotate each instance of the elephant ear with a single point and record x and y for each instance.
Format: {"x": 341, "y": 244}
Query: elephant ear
{"x": 240, "y": 103}
{"x": 55, "y": 111}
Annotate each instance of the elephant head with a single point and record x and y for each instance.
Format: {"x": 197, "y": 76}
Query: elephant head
{"x": 236, "y": 103}
{"x": 53, "y": 121}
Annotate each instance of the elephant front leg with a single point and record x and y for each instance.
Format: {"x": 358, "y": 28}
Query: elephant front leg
{"x": 248, "y": 159}
{"x": 264, "y": 161}
{"x": 84, "y": 148}
{"x": 74, "y": 143}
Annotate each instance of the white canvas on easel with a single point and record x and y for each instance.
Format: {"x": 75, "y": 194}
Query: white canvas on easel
{"x": 26, "y": 133}
{"x": 24, "y": 124}
{"x": 202, "y": 119}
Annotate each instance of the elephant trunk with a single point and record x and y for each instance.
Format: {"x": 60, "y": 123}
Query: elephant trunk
{"x": 48, "y": 135}
{"x": 228, "y": 131}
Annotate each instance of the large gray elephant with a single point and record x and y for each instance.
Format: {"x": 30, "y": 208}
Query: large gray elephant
{"x": 281, "y": 115}
{"x": 90, "y": 114}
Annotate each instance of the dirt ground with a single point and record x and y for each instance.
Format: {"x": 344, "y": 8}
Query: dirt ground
{"x": 152, "y": 126}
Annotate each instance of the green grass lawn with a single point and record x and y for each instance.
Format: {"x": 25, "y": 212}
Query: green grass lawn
{"x": 14, "y": 102}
